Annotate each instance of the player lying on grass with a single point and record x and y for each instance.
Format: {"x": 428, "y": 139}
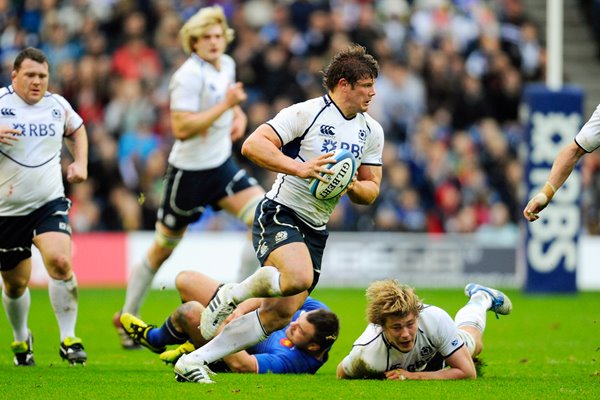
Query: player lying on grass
{"x": 300, "y": 347}
{"x": 407, "y": 339}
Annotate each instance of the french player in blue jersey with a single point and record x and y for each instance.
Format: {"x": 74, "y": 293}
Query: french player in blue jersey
{"x": 301, "y": 347}
{"x": 34, "y": 124}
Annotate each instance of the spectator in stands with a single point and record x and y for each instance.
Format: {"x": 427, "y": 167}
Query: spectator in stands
{"x": 451, "y": 47}
{"x": 400, "y": 100}
{"x": 134, "y": 59}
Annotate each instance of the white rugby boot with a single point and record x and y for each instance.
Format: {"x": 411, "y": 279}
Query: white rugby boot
{"x": 501, "y": 304}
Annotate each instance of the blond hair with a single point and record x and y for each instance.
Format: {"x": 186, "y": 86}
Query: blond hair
{"x": 391, "y": 298}
{"x": 199, "y": 23}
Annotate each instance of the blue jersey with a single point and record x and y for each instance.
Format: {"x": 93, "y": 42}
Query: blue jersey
{"x": 278, "y": 355}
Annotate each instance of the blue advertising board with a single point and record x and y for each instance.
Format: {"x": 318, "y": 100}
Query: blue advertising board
{"x": 550, "y": 243}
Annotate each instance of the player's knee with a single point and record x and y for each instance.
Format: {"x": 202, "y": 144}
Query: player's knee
{"x": 58, "y": 266}
{"x": 246, "y": 214}
{"x": 165, "y": 243}
{"x": 182, "y": 280}
{"x": 14, "y": 288}
{"x": 188, "y": 315}
{"x": 296, "y": 283}
{"x": 183, "y": 284}
{"x": 279, "y": 319}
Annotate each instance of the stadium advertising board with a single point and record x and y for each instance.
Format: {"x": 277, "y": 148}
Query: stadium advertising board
{"x": 351, "y": 259}
{"x": 354, "y": 260}
{"x": 551, "y": 243}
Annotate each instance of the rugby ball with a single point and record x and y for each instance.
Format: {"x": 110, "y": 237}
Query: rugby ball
{"x": 343, "y": 171}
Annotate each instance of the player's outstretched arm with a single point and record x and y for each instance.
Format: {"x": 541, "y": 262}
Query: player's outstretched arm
{"x": 561, "y": 169}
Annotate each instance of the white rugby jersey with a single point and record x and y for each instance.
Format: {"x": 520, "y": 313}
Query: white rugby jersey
{"x": 198, "y": 86}
{"x": 312, "y": 128}
{"x": 372, "y": 354}
{"x": 588, "y": 137}
{"x": 30, "y": 171}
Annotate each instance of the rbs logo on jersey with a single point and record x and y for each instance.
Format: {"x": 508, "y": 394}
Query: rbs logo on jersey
{"x": 552, "y": 241}
{"x": 36, "y": 129}
{"x": 331, "y": 145}
{"x": 353, "y": 148}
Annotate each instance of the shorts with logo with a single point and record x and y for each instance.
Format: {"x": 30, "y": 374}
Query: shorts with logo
{"x": 188, "y": 193}
{"x": 276, "y": 225}
{"x": 17, "y": 232}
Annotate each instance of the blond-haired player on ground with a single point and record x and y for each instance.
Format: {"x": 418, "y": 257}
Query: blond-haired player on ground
{"x": 406, "y": 339}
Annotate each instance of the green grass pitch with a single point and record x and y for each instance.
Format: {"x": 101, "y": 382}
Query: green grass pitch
{"x": 549, "y": 348}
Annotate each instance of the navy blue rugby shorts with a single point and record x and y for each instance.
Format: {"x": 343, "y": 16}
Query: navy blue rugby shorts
{"x": 276, "y": 225}
{"x": 188, "y": 193}
{"x": 17, "y": 232}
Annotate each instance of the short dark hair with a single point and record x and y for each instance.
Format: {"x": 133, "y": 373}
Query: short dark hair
{"x": 327, "y": 327}
{"x": 353, "y": 63}
{"x": 30, "y": 53}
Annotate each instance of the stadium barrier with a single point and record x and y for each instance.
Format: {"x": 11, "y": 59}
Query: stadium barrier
{"x": 351, "y": 259}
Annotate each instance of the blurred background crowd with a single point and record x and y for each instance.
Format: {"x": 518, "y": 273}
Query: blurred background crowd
{"x": 448, "y": 97}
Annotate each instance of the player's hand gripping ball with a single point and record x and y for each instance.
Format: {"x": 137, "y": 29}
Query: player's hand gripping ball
{"x": 343, "y": 172}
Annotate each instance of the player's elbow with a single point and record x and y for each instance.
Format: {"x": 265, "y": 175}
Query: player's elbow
{"x": 251, "y": 147}
{"x": 471, "y": 373}
{"x": 340, "y": 373}
{"x": 240, "y": 368}
{"x": 364, "y": 197}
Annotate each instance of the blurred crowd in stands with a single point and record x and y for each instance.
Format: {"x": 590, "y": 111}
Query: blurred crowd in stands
{"x": 448, "y": 96}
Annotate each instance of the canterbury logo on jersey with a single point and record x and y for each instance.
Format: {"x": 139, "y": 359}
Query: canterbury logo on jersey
{"x": 327, "y": 130}
{"x": 36, "y": 129}
{"x": 8, "y": 112}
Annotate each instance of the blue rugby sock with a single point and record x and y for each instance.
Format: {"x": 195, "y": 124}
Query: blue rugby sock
{"x": 165, "y": 335}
